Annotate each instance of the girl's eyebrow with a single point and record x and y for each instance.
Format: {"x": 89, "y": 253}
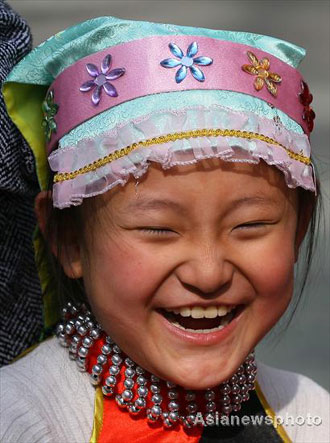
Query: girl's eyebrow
{"x": 144, "y": 204}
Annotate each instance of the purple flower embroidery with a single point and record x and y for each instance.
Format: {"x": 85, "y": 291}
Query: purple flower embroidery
{"x": 101, "y": 79}
{"x": 186, "y": 61}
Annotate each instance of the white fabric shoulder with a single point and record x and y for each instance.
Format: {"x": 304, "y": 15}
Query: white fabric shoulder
{"x": 302, "y": 405}
{"x": 44, "y": 398}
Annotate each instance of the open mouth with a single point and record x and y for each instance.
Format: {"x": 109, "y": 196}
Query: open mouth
{"x": 201, "y": 320}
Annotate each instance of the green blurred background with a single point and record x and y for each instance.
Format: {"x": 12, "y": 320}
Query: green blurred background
{"x": 304, "y": 345}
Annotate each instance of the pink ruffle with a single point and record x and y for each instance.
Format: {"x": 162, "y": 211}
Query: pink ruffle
{"x": 180, "y": 152}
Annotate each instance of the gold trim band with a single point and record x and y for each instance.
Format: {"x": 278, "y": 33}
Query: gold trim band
{"x": 63, "y": 176}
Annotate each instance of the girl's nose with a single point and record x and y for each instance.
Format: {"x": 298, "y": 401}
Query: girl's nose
{"x": 206, "y": 271}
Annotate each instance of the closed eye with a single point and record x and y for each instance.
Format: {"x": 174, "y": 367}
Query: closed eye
{"x": 156, "y": 231}
{"x": 253, "y": 225}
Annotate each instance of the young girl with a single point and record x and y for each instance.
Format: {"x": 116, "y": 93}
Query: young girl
{"x": 168, "y": 282}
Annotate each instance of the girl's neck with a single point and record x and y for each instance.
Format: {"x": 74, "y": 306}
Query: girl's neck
{"x": 138, "y": 391}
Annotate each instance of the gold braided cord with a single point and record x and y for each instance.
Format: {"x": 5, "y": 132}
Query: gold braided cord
{"x": 171, "y": 138}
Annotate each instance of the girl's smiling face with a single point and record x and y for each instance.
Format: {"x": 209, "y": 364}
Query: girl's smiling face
{"x": 210, "y": 235}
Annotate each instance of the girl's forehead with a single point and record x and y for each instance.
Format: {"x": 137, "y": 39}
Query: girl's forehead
{"x": 209, "y": 181}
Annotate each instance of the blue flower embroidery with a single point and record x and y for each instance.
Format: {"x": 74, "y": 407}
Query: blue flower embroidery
{"x": 101, "y": 79}
{"x": 186, "y": 61}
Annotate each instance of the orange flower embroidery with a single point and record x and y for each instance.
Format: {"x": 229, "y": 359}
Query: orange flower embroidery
{"x": 260, "y": 68}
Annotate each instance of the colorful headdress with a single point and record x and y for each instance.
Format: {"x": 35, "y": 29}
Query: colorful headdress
{"x": 106, "y": 97}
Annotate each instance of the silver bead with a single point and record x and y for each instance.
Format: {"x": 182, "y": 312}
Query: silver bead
{"x": 75, "y": 339}
{"x": 72, "y": 355}
{"x": 172, "y": 394}
{"x": 111, "y": 381}
{"x": 157, "y": 399}
{"x": 186, "y": 423}
{"x": 82, "y": 352}
{"x": 89, "y": 324}
{"x": 97, "y": 369}
{"x": 191, "y": 408}
{"x": 225, "y": 400}
{"x": 95, "y": 334}
{"x": 150, "y": 417}
{"x": 167, "y": 423}
{"x": 244, "y": 389}
{"x": 236, "y": 398}
{"x": 106, "y": 349}
{"x": 132, "y": 409}
{"x": 245, "y": 397}
{"x": 107, "y": 391}
{"x": 235, "y": 389}
{"x": 81, "y": 362}
{"x": 170, "y": 385}
{"x": 234, "y": 379}
{"x": 139, "y": 370}
{"x": 155, "y": 389}
{"x": 95, "y": 379}
{"x": 129, "y": 362}
{"x": 241, "y": 379}
{"x": 190, "y": 395}
{"x": 209, "y": 395}
{"x": 60, "y": 328}
{"x": 140, "y": 403}
{"x": 77, "y": 324}
{"x": 129, "y": 383}
{"x": 108, "y": 340}
{"x": 141, "y": 380}
{"x": 142, "y": 391}
{"x": 156, "y": 411}
{"x": 116, "y": 349}
{"x": 211, "y": 406}
{"x": 237, "y": 407}
{"x": 87, "y": 342}
{"x": 82, "y": 330}
{"x": 154, "y": 379}
{"x": 240, "y": 370}
{"x": 120, "y": 401}
{"x": 129, "y": 372}
{"x": 127, "y": 395}
{"x": 191, "y": 418}
{"x": 173, "y": 406}
{"x": 73, "y": 348}
{"x": 227, "y": 409}
{"x": 173, "y": 416}
{"x": 114, "y": 370}
{"x": 69, "y": 329}
{"x": 116, "y": 359}
{"x": 251, "y": 378}
{"x": 101, "y": 359}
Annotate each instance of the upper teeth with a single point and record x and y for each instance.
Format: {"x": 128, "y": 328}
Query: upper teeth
{"x": 199, "y": 312}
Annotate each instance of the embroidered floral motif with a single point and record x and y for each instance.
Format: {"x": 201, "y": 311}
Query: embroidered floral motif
{"x": 260, "y": 68}
{"x": 50, "y": 109}
{"x": 306, "y": 99}
{"x": 101, "y": 79}
{"x": 186, "y": 61}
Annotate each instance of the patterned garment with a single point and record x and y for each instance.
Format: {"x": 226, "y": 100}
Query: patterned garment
{"x": 20, "y": 293}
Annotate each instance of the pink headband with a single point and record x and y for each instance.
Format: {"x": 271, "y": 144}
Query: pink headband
{"x": 157, "y": 64}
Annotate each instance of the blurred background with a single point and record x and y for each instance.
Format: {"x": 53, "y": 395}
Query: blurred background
{"x": 303, "y": 345}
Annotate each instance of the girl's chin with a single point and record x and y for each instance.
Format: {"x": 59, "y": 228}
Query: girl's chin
{"x": 198, "y": 376}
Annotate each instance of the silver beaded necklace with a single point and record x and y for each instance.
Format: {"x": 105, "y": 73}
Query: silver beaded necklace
{"x": 137, "y": 390}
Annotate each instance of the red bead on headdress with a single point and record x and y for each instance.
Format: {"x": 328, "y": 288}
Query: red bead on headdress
{"x": 306, "y": 99}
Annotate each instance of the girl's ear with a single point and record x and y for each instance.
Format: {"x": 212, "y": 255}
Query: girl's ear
{"x": 67, "y": 248}
{"x": 306, "y": 208}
